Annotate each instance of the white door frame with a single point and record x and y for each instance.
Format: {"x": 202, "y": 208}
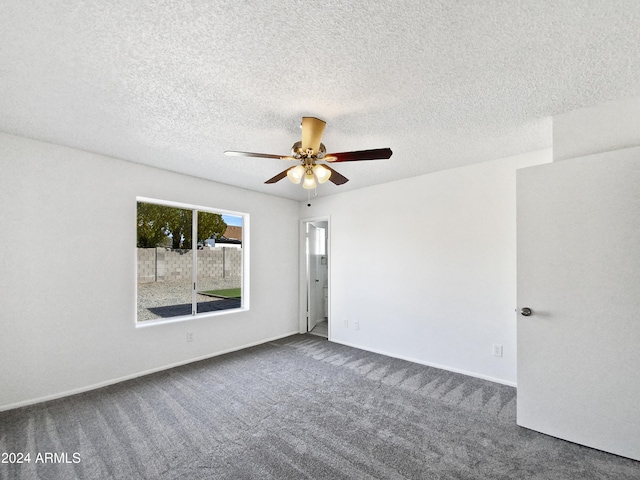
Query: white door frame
{"x": 302, "y": 285}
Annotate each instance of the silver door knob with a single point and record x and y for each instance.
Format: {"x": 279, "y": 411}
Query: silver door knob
{"x": 525, "y": 311}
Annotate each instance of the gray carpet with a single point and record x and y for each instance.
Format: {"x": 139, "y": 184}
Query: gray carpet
{"x": 300, "y": 407}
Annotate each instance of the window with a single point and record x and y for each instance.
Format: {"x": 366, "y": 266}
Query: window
{"x": 190, "y": 261}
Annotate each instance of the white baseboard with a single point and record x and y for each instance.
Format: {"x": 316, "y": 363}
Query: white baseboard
{"x": 428, "y": 364}
{"x": 113, "y": 381}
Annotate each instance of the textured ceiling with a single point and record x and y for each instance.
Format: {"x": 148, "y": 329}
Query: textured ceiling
{"x": 442, "y": 83}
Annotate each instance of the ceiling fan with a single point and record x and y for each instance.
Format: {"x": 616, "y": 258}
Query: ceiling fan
{"x": 309, "y": 151}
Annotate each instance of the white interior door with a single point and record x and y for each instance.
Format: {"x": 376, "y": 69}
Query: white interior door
{"x": 579, "y": 273}
{"x": 312, "y": 280}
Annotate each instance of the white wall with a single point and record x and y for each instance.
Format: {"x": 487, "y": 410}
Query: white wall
{"x": 600, "y": 128}
{"x": 444, "y": 291}
{"x": 74, "y": 213}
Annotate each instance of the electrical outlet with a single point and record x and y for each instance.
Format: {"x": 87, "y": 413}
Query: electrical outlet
{"x": 356, "y": 325}
{"x": 346, "y": 323}
{"x": 497, "y": 350}
{"x": 189, "y": 337}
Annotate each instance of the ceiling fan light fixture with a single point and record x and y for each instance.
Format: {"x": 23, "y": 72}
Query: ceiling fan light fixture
{"x": 309, "y": 181}
{"x": 295, "y": 174}
{"x": 322, "y": 173}
{"x": 310, "y": 150}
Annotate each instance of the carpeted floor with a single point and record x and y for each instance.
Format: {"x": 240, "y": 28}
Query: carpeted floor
{"x": 296, "y": 408}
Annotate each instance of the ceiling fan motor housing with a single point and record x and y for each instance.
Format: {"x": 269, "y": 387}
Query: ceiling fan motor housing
{"x": 298, "y": 152}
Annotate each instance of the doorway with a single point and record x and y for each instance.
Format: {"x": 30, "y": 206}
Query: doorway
{"x": 314, "y": 301}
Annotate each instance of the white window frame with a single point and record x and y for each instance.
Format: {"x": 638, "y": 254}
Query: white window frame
{"x": 244, "y": 301}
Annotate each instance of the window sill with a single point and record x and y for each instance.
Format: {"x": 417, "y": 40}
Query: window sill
{"x": 186, "y": 318}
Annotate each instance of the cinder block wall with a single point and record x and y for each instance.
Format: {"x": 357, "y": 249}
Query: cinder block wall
{"x": 159, "y": 264}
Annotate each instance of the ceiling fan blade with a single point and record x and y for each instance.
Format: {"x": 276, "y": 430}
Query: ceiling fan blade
{"x": 312, "y": 130}
{"x": 279, "y": 176}
{"x": 251, "y": 154}
{"x": 335, "y": 177}
{"x": 375, "y": 154}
